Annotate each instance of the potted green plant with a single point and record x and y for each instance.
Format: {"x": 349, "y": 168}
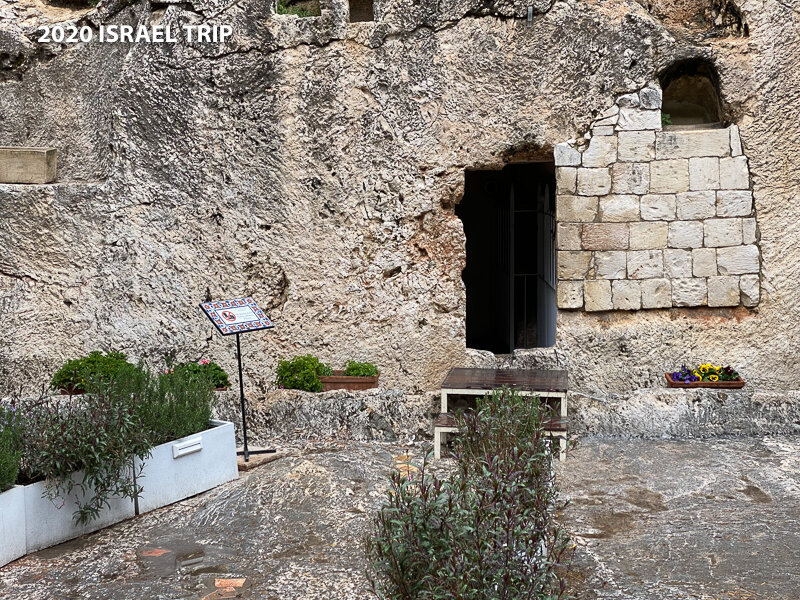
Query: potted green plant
{"x": 207, "y": 370}
{"x": 74, "y": 375}
{"x": 355, "y": 376}
{"x": 302, "y": 373}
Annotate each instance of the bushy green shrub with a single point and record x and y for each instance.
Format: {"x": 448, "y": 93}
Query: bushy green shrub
{"x": 9, "y": 447}
{"x": 101, "y": 433}
{"x": 299, "y": 8}
{"x": 207, "y": 371}
{"x": 174, "y": 406}
{"x": 302, "y": 373}
{"x": 486, "y": 533}
{"x": 97, "y": 435}
{"x": 75, "y": 375}
{"x": 360, "y": 369}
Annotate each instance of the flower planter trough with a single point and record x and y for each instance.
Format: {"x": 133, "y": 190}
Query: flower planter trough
{"x": 12, "y": 524}
{"x": 175, "y": 470}
{"x": 340, "y": 381}
{"x": 49, "y": 522}
{"x": 188, "y": 466}
{"x": 723, "y": 385}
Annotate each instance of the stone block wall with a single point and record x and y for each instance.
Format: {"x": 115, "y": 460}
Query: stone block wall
{"x": 652, "y": 218}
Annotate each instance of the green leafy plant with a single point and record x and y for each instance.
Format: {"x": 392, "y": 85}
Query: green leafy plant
{"x": 86, "y": 447}
{"x": 175, "y": 405}
{"x": 205, "y": 370}
{"x": 360, "y": 369}
{"x": 10, "y": 454}
{"x": 666, "y": 119}
{"x": 74, "y": 376}
{"x": 301, "y": 9}
{"x": 302, "y": 373}
{"x": 487, "y": 532}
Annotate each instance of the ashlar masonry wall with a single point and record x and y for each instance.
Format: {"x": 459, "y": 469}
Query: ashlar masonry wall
{"x": 652, "y": 218}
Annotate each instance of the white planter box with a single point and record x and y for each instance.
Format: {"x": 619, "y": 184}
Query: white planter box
{"x": 49, "y": 522}
{"x": 174, "y": 471}
{"x": 189, "y": 466}
{"x": 12, "y": 524}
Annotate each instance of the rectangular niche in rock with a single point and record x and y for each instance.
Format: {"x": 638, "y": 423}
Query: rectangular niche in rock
{"x": 27, "y": 165}
{"x": 361, "y": 11}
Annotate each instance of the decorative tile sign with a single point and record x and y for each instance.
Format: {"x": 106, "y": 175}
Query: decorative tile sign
{"x": 236, "y": 316}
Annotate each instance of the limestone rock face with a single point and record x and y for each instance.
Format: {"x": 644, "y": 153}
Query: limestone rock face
{"x": 315, "y": 164}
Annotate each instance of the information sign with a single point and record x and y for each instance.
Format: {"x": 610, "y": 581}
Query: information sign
{"x": 236, "y": 316}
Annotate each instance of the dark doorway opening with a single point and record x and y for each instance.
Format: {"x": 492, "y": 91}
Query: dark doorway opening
{"x": 509, "y": 223}
{"x": 361, "y": 11}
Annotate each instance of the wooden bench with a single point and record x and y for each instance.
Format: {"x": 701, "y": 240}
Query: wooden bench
{"x": 544, "y": 384}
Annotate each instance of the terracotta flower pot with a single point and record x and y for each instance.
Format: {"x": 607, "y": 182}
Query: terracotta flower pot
{"x": 340, "y": 381}
{"x": 723, "y": 385}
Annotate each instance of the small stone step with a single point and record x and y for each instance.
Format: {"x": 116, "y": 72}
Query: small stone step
{"x": 27, "y": 165}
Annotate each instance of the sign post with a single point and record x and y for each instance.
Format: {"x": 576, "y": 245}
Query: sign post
{"x": 234, "y": 317}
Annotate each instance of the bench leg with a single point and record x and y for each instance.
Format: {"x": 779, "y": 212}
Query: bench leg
{"x": 437, "y": 443}
{"x": 562, "y": 444}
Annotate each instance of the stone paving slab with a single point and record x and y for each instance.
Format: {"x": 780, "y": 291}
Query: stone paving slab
{"x": 673, "y": 520}
{"x": 290, "y": 528}
{"x": 652, "y": 519}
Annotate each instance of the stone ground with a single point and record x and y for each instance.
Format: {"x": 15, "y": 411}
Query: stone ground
{"x": 700, "y": 519}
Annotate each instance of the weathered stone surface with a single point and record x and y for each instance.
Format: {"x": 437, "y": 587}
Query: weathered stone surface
{"x": 628, "y": 101}
{"x": 652, "y": 519}
{"x": 638, "y": 119}
{"x": 656, "y": 293}
{"x": 636, "y": 146}
{"x": 738, "y": 260}
{"x": 619, "y": 208}
{"x": 685, "y": 234}
{"x": 611, "y": 264}
{"x": 704, "y": 262}
{"x": 566, "y": 156}
{"x": 704, "y": 173}
{"x": 736, "y": 141}
{"x": 723, "y": 291}
{"x": 603, "y": 130}
{"x": 605, "y": 236}
{"x": 734, "y": 203}
{"x": 669, "y": 176}
{"x": 693, "y": 143}
{"x": 658, "y": 207}
{"x": 626, "y": 294}
{"x": 722, "y": 232}
{"x": 307, "y": 159}
{"x": 751, "y": 289}
{"x": 568, "y": 236}
{"x": 630, "y": 178}
{"x": 573, "y": 265}
{"x": 569, "y": 294}
{"x": 645, "y": 264}
{"x": 696, "y": 205}
{"x": 598, "y": 295}
{"x": 677, "y": 263}
{"x": 566, "y": 178}
{"x": 576, "y": 208}
{"x": 650, "y": 97}
{"x": 648, "y": 235}
{"x": 733, "y": 173}
{"x": 749, "y": 235}
{"x": 602, "y": 151}
{"x": 594, "y": 182}
{"x": 689, "y": 292}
